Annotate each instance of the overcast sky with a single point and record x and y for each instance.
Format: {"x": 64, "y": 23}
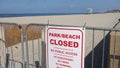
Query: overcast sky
{"x": 57, "y": 6}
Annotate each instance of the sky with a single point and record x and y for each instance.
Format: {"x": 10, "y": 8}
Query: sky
{"x": 57, "y": 6}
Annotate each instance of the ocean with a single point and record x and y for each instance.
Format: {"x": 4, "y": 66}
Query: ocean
{"x": 35, "y": 14}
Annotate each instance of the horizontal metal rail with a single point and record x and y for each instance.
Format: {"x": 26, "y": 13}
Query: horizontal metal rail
{"x": 2, "y": 66}
{"x": 16, "y": 61}
{"x": 87, "y": 27}
{"x": 6, "y": 23}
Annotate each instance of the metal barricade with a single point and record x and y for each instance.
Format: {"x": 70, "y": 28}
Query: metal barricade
{"x": 100, "y": 42}
{"x": 35, "y": 48}
{"x": 97, "y": 46}
{"x": 11, "y": 33}
{"x": 30, "y": 50}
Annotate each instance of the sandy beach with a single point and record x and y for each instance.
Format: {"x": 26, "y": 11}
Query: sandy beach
{"x": 105, "y": 20}
{"x": 96, "y": 20}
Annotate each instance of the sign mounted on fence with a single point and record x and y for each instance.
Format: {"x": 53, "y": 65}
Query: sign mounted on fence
{"x": 65, "y": 47}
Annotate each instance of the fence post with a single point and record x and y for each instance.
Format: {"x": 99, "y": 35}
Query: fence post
{"x": 7, "y": 60}
{"x": 37, "y": 64}
{"x": 22, "y": 45}
{"x": 0, "y": 60}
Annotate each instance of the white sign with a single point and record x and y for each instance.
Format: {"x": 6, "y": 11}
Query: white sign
{"x": 65, "y": 47}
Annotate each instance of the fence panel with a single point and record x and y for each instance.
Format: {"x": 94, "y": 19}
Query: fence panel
{"x": 27, "y": 49}
{"x": 35, "y": 50}
{"x": 11, "y": 34}
{"x": 97, "y": 46}
{"x": 99, "y": 56}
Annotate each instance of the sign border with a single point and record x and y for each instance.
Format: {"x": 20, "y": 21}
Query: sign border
{"x": 64, "y": 28}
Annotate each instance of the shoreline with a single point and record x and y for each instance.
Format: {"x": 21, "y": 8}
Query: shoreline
{"x": 43, "y": 14}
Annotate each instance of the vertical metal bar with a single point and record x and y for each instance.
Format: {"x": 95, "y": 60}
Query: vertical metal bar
{"x": 44, "y": 42}
{"x": 92, "y": 50}
{"x": 43, "y": 60}
{"x": 0, "y": 61}
{"x": 3, "y": 52}
{"x": 27, "y": 50}
{"x": 11, "y": 43}
{"x": 22, "y": 45}
{"x": 103, "y": 52}
{"x": 39, "y": 52}
{"x": 33, "y": 46}
{"x": 6, "y": 49}
{"x": 114, "y": 50}
{"x": 1, "y": 31}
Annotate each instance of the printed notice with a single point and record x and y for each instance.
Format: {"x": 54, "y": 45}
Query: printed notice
{"x": 65, "y": 47}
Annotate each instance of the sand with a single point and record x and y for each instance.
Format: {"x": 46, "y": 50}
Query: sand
{"x": 97, "y": 20}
